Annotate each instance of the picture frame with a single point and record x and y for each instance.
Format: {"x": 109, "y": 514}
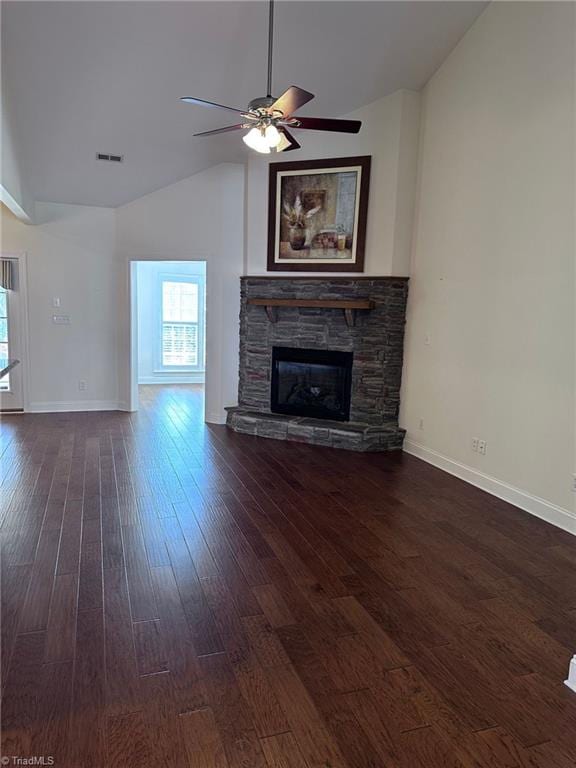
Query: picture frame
{"x": 317, "y": 214}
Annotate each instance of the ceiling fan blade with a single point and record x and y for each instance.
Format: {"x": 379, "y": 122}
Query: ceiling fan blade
{"x": 293, "y": 143}
{"x": 327, "y": 124}
{"x": 291, "y": 100}
{"x": 236, "y": 127}
{"x": 204, "y": 103}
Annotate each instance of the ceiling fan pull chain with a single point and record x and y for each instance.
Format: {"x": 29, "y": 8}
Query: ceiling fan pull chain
{"x": 270, "y": 45}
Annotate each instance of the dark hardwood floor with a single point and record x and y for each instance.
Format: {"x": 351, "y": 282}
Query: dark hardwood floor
{"x": 178, "y": 595}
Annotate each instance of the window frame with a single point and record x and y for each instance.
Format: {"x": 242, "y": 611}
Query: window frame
{"x": 200, "y": 281}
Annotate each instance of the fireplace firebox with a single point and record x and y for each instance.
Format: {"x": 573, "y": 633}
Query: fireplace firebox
{"x": 314, "y": 383}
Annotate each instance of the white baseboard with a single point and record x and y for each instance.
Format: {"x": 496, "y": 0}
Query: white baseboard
{"x": 541, "y": 508}
{"x": 571, "y": 681}
{"x": 60, "y": 406}
{"x": 215, "y": 418}
{"x": 197, "y": 378}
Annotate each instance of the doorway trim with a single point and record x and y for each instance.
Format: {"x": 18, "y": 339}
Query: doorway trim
{"x": 22, "y": 259}
{"x": 131, "y": 270}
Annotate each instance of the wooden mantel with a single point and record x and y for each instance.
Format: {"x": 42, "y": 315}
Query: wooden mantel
{"x": 349, "y": 306}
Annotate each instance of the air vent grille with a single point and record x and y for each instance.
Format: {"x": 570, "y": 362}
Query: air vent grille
{"x": 110, "y": 158}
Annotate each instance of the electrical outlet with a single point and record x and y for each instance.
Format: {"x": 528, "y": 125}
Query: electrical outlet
{"x": 82, "y": 386}
{"x": 475, "y": 444}
{"x": 482, "y": 447}
{"x": 421, "y": 424}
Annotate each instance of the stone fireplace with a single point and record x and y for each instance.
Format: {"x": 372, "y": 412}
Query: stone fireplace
{"x": 321, "y": 360}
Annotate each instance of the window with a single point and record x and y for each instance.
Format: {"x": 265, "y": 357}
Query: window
{"x": 4, "y": 352}
{"x": 182, "y": 319}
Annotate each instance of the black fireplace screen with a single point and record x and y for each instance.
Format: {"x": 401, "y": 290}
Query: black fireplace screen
{"x": 311, "y": 382}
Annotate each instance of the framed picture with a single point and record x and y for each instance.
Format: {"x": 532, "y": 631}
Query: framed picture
{"x": 317, "y": 215}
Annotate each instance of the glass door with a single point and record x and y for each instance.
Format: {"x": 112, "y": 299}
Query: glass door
{"x": 11, "y": 398}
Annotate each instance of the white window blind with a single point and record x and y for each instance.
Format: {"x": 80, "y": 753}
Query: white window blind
{"x": 179, "y": 344}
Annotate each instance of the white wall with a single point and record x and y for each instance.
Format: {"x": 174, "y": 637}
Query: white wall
{"x": 200, "y": 218}
{"x": 493, "y": 265}
{"x": 81, "y": 254}
{"x": 389, "y": 134}
{"x": 148, "y": 276}
{"x": 71, "y": 255}
{"x": 13, "y": 189}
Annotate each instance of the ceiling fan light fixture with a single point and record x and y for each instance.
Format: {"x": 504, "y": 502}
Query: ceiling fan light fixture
{"x": 283, "y": 143}
{"x": 273, "y": 136}
{"x": 256, "y": 139}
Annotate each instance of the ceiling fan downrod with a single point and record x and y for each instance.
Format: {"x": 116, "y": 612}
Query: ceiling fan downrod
{"x": 270, "y": 47}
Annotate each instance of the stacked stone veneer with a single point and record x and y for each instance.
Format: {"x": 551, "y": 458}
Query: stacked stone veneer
{"x": 377, "y": 341}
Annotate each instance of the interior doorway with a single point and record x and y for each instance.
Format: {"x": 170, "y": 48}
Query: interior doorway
{"x": 169, "y": 326}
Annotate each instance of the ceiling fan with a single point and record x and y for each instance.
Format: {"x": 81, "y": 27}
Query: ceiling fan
{"x": 268, "y": 118}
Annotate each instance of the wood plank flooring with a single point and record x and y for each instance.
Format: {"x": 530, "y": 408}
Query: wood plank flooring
{"x": 177, "y": 595}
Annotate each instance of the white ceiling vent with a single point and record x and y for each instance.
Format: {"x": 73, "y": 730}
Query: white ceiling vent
{"x": 110, "y": 158}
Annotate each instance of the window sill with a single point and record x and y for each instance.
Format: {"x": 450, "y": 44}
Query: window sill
{"x": 178, "y": 371}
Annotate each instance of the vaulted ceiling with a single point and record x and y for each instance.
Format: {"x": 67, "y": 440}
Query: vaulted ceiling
{"x": 88, "y": 77}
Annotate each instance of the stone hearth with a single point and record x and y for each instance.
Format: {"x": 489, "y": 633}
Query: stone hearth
{"x": 376, "y": 341}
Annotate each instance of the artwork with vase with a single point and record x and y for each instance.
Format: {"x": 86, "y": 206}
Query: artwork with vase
{"x": 317, "y": 215}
